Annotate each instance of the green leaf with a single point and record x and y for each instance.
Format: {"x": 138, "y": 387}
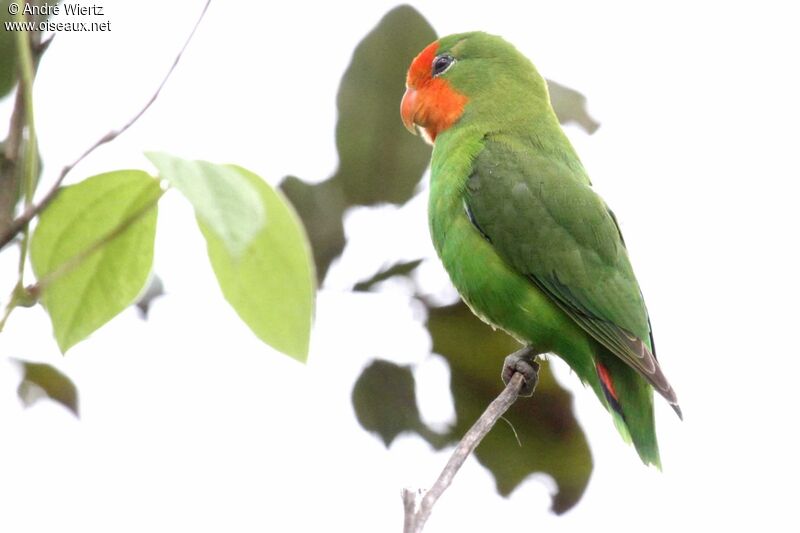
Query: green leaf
{"x": 570, "y": 106}
{"x": 8, "y": 59}
{"x": 384, "y": 399}
{"x": 550, "y": 439}
{"x": 271, "y": 283}
{"x": 379, "y": 161}
{"x": 403, "y": 268}
{"x": 223, "y": 199}
{"x": 92, "y": 250}
{"x": 40, "y": 380}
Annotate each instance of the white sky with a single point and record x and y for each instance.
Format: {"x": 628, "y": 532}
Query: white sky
{"x": 189, "y": 423}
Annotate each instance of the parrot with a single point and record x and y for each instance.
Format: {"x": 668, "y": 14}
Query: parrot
{"x": 531, "y": 248}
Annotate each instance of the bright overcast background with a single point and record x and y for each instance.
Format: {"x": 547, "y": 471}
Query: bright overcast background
{"x": 188, "y": 423}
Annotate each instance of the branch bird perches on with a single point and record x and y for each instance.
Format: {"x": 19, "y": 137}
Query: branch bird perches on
{"x": 521, "y": 373}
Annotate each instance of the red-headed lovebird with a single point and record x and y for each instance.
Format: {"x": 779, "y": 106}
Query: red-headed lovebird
{"x": 531, "y": 248}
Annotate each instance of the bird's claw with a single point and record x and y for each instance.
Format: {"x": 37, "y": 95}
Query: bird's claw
{"x": 524, "y": 362}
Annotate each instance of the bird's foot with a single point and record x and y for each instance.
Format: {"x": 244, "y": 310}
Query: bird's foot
{"x": 524, "y": 362}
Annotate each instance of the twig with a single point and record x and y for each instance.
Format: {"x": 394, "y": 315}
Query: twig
{"x": 410, "y": 505}
{"x": 16, "y": 125}
{"x": 418, "y": 510}
{"x": 11, "y": 173}
{"x": 27, "y": 215}
{"x": 31, "y": 160}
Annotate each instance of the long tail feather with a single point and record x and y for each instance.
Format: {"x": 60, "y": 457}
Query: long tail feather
{"x": 629, "y": 398}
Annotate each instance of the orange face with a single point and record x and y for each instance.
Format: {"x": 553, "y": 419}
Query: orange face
{"x": 430, "y": 102}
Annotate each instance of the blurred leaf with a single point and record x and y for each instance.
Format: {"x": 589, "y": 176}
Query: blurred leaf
{"x": 321, "y": 207}
{"x": 550, "y": 439}
{"x": 222, "y": 198}
{"x": 570, "y": 106}
{"x": 8, "y": 58}
{"x": 44, "y": 381}
{"x": 11, "y": 178}
{"x": 155, "y": 289}
{"x": 398, "y": 269}
{"x": 271, "y": 283}
{"x": 378, "y": 160}
{"x": 385, "y": 402}
{"x": 13, "y": 148}
{"x": 87, "y": 281}
{"x": 8, "y": 44}
{"x": 9, "y": 188}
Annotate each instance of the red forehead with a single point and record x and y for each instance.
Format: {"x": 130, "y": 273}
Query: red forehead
{"x": 420, "y": 70}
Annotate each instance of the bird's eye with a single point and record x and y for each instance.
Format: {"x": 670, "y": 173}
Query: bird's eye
{"x": 441, "y": 64}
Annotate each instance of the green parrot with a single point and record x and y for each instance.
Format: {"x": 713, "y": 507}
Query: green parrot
{"x": 531, "y": 248}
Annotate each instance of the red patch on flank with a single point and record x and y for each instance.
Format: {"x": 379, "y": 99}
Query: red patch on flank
{"x": 605, "y": 379}
{"x": 439, "y": 104}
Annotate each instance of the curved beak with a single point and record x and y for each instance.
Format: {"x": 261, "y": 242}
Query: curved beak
{"x": 408, "y": 109}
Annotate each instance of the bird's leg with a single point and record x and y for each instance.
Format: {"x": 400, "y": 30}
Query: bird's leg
{"x": 524, "y": 362}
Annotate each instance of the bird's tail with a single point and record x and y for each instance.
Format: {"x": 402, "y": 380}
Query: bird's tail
{"x": 629, "y": 399}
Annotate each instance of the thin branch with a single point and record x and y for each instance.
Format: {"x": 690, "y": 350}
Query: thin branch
{"x": 12, "y": 303}
{"x": 11, "y": 172}
{"x": 27, "y": 215}
{"x": 410, "y": 505}
{"x": 418, "y": 510}
{"x": 19, "y": 177}
{"x": 31, "y": 161}
{"x": 16, "y": 125}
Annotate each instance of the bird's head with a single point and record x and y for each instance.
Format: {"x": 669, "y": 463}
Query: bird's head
{"x": 463, "y": 69}
{"x": 431, "y": 102}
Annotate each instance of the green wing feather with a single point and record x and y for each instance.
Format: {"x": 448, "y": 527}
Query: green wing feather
{"x": 540, "y": 213}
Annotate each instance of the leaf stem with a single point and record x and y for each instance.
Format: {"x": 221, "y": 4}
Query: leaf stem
{"x": 23, "y": 123}
{"x": 12, "y": 303}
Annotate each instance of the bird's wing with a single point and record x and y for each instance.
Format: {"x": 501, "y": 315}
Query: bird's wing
{"x": 541, "y": 215}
